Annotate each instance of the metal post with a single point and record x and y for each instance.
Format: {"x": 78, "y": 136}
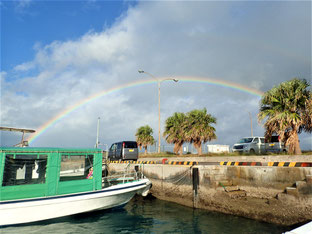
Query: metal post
{"x": 136, "y": 168}
{"x": 158, "y": 83}
{"x": 195, "y": 176}
{"x": 158, "y": 116}
{"x": 106, "y": 149}
{"x": 97, "y": 133}
{"x": 250, "y": 124}
{"x": 23, "y": 137}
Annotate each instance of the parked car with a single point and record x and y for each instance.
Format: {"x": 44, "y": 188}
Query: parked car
{"x": 250, "y": 145}
{"x": 257, "y": 145}
{"x": 124, "y": 150}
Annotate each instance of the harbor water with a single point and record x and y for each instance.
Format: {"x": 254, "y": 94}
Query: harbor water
{"x": 148, "y": 215}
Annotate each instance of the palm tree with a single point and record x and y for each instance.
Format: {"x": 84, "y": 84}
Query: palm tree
{"x": 144, "y": 137}
{"x": 175, "y": 131}
{"x": 199, "y": 129}
{"x": 287, "y": 109}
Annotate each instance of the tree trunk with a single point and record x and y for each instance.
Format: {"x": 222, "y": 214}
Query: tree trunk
{"x": 145, "y": 149}
{"x": 197, "y": 145}
{"x": 181, "y": 150}
{"x": 293, "y": 143}
{"x": 177, "y": 149}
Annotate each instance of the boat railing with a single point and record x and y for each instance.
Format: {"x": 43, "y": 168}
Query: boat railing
{"x": 121, "y": 177}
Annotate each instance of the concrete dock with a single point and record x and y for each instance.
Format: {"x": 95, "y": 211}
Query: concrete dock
{"x": 275, "y": 189}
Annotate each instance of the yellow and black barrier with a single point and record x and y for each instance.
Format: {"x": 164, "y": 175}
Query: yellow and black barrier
{"x": 241, "y": 164}
{"x": 147, "y": 162}
{"x": 269, "y": 164}
{"x": 185, "y": 163}
{"x": 228, "y": 163}
{"x": 134, "y": 162}
{"x": 290, "y": 164}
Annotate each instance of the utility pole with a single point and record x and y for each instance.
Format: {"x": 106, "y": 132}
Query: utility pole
{"x": 158, "y": 84}
{"x": 97, "y": 133}
{"x": 250, "y": 123}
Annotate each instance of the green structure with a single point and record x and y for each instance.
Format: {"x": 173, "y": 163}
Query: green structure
{"x": 43, "y": 172}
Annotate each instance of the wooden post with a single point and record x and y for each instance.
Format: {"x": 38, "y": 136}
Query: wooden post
{"x": 195, "y": 176}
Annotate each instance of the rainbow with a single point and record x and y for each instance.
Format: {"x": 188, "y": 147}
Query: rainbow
{"x": 43, "y": 128}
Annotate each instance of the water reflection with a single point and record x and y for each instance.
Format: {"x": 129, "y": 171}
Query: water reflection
{"x": 148, "y": 216}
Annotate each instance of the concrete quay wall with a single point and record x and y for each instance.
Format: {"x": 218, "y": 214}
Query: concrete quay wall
{"x": 281, "y": 195}
{"x": 241, "y": 158}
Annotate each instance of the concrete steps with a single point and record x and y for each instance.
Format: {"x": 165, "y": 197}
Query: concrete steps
{"x": 301, "y": 187}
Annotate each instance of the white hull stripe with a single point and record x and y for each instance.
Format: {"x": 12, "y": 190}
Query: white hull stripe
{"x": 69, "y": 195}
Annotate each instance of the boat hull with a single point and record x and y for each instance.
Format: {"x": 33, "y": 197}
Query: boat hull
{"x": 32, "y": 210}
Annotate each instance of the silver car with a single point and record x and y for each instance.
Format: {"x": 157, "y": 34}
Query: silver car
{"x": 252, "y": 145}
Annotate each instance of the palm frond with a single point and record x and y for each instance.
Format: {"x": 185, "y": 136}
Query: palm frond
{"x": 286, "y": 109}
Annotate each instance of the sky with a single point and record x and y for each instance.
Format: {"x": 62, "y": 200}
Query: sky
{"x": 64, "y": 64}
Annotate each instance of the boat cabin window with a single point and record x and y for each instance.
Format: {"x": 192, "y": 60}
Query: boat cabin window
{"x": 76, "y": 167}
{"x": 22, "y": 169}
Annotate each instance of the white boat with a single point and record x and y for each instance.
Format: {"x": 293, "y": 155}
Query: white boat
{"x": 36, "y": 184}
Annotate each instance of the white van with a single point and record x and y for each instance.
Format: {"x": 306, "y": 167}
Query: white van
{"x": 252, "y": 145}
{"x": 257, "y": 145}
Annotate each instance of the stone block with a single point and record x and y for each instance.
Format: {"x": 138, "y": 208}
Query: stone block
{"x": 237, "y": 194}
{"x": 232, "y": 188}
{"x": 292, "y": 191}
{"x": 309, "y": 179}
{"x": 307, "y": 190}
{"x": 300, "y": 184}
{"x": 225, "y": 183}
{"x": 281, "y": 196}
{"x": 218, "y": 177}
{"x": 287, "y": 199}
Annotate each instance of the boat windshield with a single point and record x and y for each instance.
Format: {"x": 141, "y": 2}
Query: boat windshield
{"x": 245, "y": 140}
{"x": 76, "y": 167}
{"x": 21, "y": 169}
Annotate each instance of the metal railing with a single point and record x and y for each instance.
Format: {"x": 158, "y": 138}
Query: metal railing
{"x": 121, "y": 177}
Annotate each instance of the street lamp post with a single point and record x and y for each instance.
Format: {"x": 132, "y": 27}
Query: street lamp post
{"x": 250, "y": 123}
{"x": 97, "y": 133}
{"x": 158, "y": 83}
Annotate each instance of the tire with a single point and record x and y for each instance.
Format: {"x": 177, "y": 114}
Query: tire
{"x": 252, "y": 151}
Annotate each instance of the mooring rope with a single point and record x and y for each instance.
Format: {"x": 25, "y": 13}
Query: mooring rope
{"x": 181, "y": 176}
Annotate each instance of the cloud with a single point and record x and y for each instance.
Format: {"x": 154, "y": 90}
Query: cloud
{"x": 2, "y": 75}
{"x": 22, "y": 5}
{"x": 241, "y": 42}
{"x": 24, "y": 66}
